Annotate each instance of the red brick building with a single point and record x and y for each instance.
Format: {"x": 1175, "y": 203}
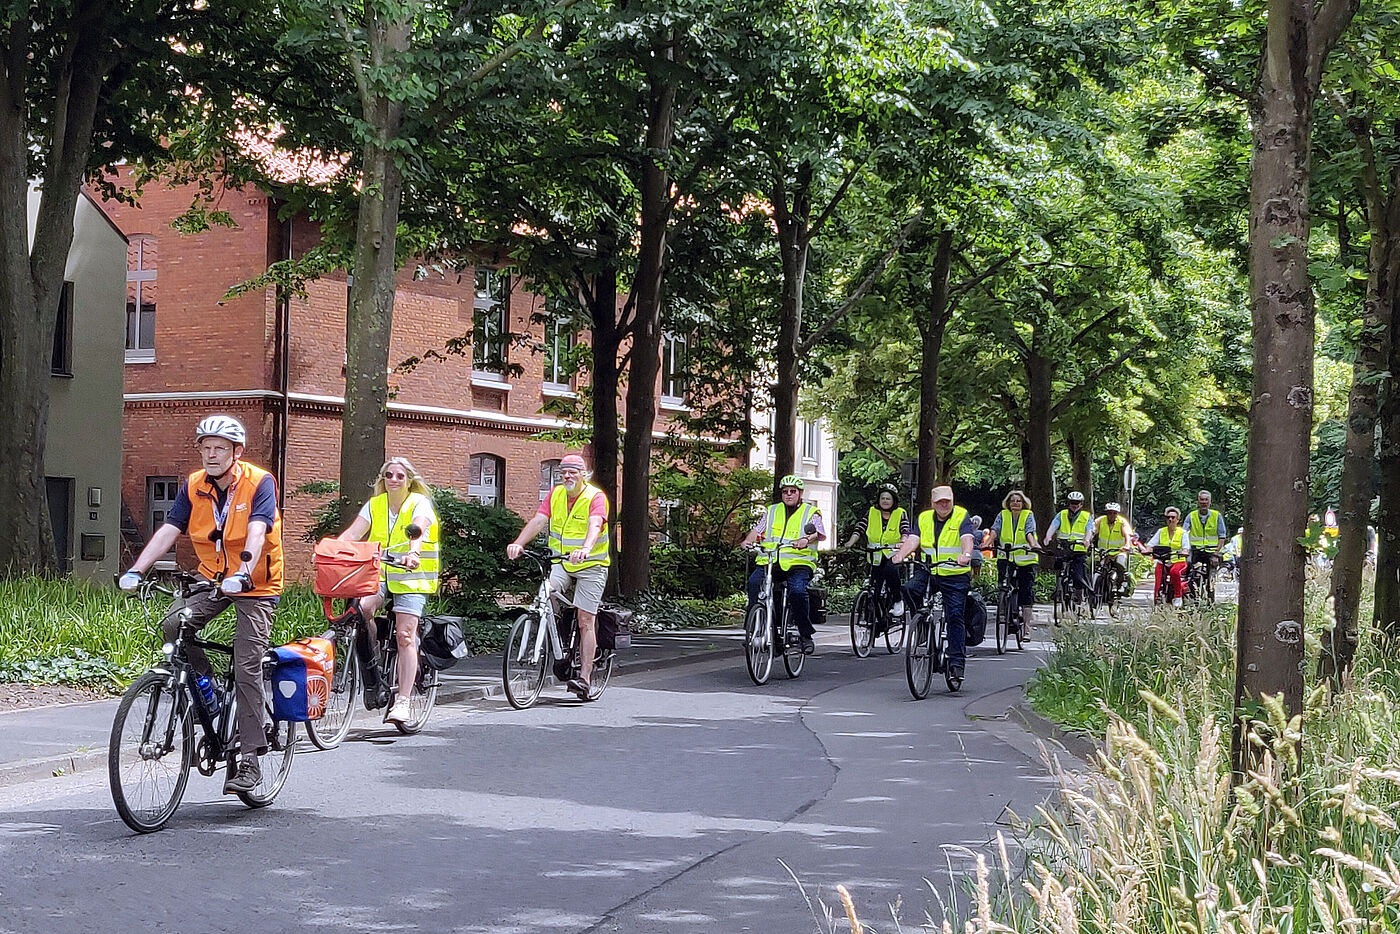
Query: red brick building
{"x": 466, "y": 421}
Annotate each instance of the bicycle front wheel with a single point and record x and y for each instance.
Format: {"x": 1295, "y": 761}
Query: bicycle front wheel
{"x": 862, "y": 624}
{"x": 522, "y": 675}
{"x": 793, "y": 656}
{"x": 918, "y": 656}
{"x": 758, "y": 644}
{"x": 331, "y": 728}
{"x": 1022, "y": 620}
{"x": 150, "y": 752}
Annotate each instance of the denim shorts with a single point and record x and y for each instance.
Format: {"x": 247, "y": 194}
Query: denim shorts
{"x": 410, "y": 603}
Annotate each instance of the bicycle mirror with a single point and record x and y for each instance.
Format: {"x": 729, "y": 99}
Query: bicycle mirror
{"x": 414, "y": 531}
{"x": 810, "y": 529}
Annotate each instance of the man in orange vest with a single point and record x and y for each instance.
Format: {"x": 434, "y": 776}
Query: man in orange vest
{"x": 229, "y": 511}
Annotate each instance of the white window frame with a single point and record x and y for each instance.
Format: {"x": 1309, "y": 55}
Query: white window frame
{"x": 811, "y": 442}
{"x": 484, "y": 304}
{"x": 135, "y": 352}
{"x": 494, "y": 495}
{"x": 155, "y": 518}
{"x": 673, "y": 350}
{"x": 558, "y": 330}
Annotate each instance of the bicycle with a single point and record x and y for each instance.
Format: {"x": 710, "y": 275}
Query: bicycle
{"x": 1069, "y": 597}
{"x": 1200, "y": 576}
{"x": 1162, "y": 558}
{"x": 536, "y": 646}
{"x": 153, "y": 745}
{"x": 768, "y": 625}
{"x": 1108, "y": 581}
{"x": 869, "y": 615}
{"x": 926, "y": 646}
{"x": 331, "y": 728}
{"x": 1009, "y": 599}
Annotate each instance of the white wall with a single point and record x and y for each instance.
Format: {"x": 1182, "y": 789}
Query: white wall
{"x": 818, "y": 472}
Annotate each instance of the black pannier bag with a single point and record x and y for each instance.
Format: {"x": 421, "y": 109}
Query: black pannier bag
{"x": 614, "y": 627}
{"x": 975, "y": 618}
{"x": 444, "y": 641}
{"x": 816, "y": 604}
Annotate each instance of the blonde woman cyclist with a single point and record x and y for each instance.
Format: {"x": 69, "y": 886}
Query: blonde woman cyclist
{"x": 400, "y": 499}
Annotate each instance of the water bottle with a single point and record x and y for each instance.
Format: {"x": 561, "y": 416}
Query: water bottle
{"x": 211, "y": 696}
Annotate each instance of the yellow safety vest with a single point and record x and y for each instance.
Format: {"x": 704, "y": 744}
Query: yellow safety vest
{"x": 789, "y": 529}
{"x": 568, "y": 527}
{"x": 1017, "y": 536}
{"x": 422, "y": 579}
{"x": 1074, "y": 529}
{"x": 878, "y": 533}
{"x": 1201, "y": 539}
{"x": 1111, "y": 538}
{"x": 949, "y": 542}
{"x": 1174, "y": 543}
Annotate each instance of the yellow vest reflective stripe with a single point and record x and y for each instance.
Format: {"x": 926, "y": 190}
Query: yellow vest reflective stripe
{"x": 1203, "y": 535}
{"x": 1113, "y": 536}
{"x": 878, "y": 533}
{"x": 422, "y": 579}
{"x": 1173, "y": 542}
{"x": 789, "y": 528}
{"x": 568, "y": 527}
{"x": 1017, "y": 536}
{"x": 949, "y": 542}
{"x": 1074, "y": 529}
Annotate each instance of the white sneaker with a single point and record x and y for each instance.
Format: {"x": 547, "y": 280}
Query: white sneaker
{"x": 1176, "y": 601}
{"x": 399, "y": 713}
{"x": 897, "y": 609}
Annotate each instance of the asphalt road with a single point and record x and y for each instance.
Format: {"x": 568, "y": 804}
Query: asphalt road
{"x": 674, "y": 804}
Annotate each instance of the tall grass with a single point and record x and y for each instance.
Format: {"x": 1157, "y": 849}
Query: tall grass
{"x": 1156, "y": 837}
{"x": 74, "y": 632}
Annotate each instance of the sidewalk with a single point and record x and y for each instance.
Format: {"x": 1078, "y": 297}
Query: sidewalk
{"x": 63, "y": 739}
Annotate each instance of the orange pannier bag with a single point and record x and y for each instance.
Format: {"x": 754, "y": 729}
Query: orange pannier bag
{"x": 345, "y": 570}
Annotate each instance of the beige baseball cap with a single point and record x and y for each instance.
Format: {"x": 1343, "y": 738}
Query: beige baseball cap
{"x": 942, "y": 493}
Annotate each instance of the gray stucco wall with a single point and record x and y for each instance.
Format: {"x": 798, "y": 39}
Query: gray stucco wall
{"x": 85, "y": 409}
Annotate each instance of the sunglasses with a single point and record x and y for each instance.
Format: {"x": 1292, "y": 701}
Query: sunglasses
{"x": 392, "y": 475}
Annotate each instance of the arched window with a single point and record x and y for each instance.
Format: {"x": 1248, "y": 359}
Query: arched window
{"x": 486, "y": 480}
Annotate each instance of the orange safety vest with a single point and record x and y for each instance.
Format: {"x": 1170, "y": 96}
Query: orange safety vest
{"x": 218, "y": 554}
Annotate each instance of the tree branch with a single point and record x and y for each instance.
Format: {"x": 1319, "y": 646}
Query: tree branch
{"x": 1084, "y": 331}
{"x": 884, "y": 455}
{"x": 1074, "y": 394}
{"x": 1329, "y": 22}
{"x": 815, "y": 227}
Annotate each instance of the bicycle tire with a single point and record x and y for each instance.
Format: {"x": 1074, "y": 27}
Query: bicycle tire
{"x": 899, "y": 624}
{"x": 1057, "y": 606}
{"x": 793, "y": 656}
{"x": 758, "y": 644}
{"x": 276, "y": 763}
{"x": 1099, "y": 597}
{"x": 1013, "y": 603}
{"x": 1003, "y": 623}
{"x": 421, "y": 700}
{"x": 167, "y": 779}
{"x": 602, "y": 673}
{"x": 331, "y": 728}
{"x": 522, "y": 678}
{"x": 918, "y": 655}
{"x": 862, "y": 625}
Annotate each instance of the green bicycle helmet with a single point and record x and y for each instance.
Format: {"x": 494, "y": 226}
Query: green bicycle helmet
{"x": 792, "y": 480}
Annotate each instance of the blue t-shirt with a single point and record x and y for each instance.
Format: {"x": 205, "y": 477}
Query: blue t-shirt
{"x": 264, "y": 504}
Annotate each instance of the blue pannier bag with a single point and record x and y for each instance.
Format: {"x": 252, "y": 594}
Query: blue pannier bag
{"x": 301, "y": 675}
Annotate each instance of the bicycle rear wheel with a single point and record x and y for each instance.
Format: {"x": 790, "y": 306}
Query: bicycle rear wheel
{"x": 862, "y": 624}
{"x": 918, "y": 655}
{"x": 150, "y": 752}
{"x": 793, "y": 656}
{"x": 276, "y": 763}
{"x": 602, "y": 673}
{"x": 421, "y": 700}
{"x": 522, "y": 675}
{"x": 895, "y": 632}
{"x": 758, "y": 644}
{"x": 330, "y": 729}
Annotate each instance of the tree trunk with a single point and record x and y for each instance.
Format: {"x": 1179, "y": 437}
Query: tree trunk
{"x": 1372, "y": 354}
{"x": 793, "y": 245}
{"x": 1081, "y": 460}
{"x": 932, "y": 324}
{"x": 645, "y": 365}
{"x": 1387, "y": 603}
{"x": 606, "y": 344}
{"x": 1039, "y": 469}
{"x": 31, "y": 277}
{"x": 1269, "y": 651}
{"x": 368, "y": 323}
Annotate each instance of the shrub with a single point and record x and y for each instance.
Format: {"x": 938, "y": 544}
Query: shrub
{"x": 704, "y": 572}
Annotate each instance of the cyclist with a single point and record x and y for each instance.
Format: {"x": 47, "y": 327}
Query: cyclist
{"x": 1206, "y": 527}
{"x": 229, "y": 511}
{"x": 1174, "y": 537}
{"x": 1113, "y": 532}
{"x": 400, "y": 499}
{"x": 1230, "y": 554}
{"x": 945, "y": 534}
{"x": 788, "y": 519}
{"x": 1072, "y": 524}
{"x": 576, "y": 513}
{"x": 886, "y": 526}
{"x": 1015, "y": 525}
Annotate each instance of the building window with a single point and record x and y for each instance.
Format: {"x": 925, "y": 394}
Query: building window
{"x": 141, "y": 300}
{"x": 811, "y": 442}
{"x": 489, "y": 330}
{"x": 63, "y": 334}
{"x": 674, "y": 360}
{"x": 60, "y": 496}
{"x": 486, "y": 480}
{"x": 558, "y": 341}
{"x": 160, "y": 496}
{"x": 549, "y": 476}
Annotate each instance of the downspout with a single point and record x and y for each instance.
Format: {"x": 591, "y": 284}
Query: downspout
{"x": 283, "y": 348}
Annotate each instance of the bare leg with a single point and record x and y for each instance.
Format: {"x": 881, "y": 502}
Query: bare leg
{"x": 587, "y": 643}
{"x": 406, "y": 629}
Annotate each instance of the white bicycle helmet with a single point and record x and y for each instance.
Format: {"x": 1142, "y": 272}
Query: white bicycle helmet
{"x": 1111, "y": 507}
{"x": 221, "y": 426}
{"x": 1075, "y": 497}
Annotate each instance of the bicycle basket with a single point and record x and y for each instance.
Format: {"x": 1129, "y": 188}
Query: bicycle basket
{"x": 345, "y": 570}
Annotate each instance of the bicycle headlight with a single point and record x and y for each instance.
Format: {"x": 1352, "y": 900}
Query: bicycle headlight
{"x": 168, "y": 650}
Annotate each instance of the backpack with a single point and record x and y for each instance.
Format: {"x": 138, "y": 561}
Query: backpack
{"x": 975, "y": 618}
{"x": 444, "y": 642}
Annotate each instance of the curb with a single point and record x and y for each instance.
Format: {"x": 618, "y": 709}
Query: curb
{"x": 1008, "y": 715}
{"x": 83, "y": 761}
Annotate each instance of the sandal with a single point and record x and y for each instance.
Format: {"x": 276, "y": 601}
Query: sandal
{"x": 580, "y": 688}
